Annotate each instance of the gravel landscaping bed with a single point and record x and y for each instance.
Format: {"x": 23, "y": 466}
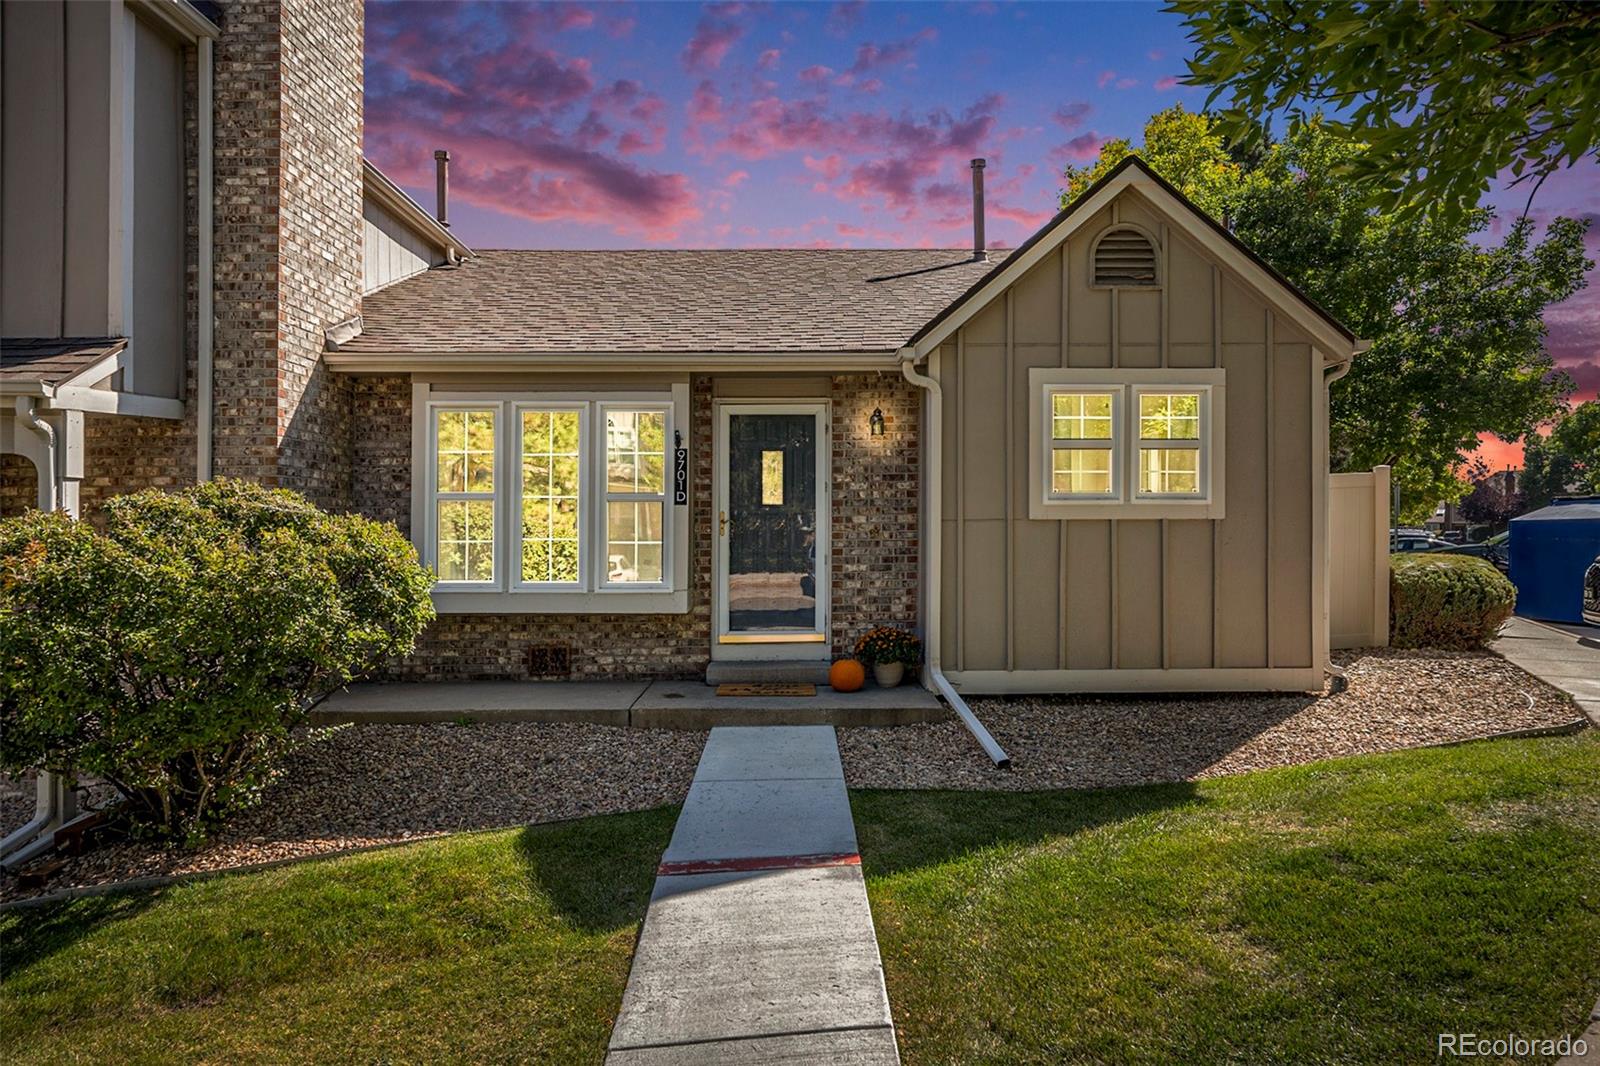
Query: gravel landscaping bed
{"x": 376, "y": 784}
{"x": 1395, "y": 699}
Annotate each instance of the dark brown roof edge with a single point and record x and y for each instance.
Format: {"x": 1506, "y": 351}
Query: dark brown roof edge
{"x": 1068, "y": 211}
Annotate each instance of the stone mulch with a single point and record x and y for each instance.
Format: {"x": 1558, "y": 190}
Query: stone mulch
{"x": 1395, "y": 699}
{"x": 378, "y": 784}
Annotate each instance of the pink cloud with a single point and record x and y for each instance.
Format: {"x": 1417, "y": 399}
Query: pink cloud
{"x": 1169, "y": 82}
{"x": 736, "y": 178}
{"x": 1106, "y": 78}
{"x": 1080, "y": 149}
{"x": 816, "y": 72}
{"x": 1155, "y": 55}
{"x": 871, "y": 85}
{"x": 1070, "y": 116}
{"x": 705, "y": 105}
{"x": 541, "y": 179}
{"x": 417, "y": 74}
{"x": 842, "y": 18}
{"x": 768, "y": 60}
{"x": 830, "y": 167}
{"x": 714, "y": 36}
{"x": 1127, "y": 83}
{"x": 894, "y": 53}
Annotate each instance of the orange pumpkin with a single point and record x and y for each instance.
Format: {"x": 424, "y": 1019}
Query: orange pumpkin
{"x": 847, "y": 675}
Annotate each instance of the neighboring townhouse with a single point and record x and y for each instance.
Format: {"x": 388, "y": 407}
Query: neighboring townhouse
{"x": 1098, "y": 462}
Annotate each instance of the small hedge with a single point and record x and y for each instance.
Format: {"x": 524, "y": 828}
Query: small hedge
{"x": 1446, "y": 601}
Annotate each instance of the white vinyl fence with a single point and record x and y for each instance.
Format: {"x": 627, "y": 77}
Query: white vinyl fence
{"x": 1358, "y": 559}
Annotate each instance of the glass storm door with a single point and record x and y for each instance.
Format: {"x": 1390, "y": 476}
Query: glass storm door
{"x": 772, "y": 526}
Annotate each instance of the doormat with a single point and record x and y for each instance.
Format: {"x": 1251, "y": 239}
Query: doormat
{"x": 766, "y": 688}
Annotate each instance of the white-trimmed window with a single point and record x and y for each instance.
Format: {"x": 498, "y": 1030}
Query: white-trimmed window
{"x": 636, "y": 494}
{"x": 1171, "y": 447}
{"x": 464, "y": 494}
{"x": 1135, "y": 443}
{"x": 550, "y": 502}
{"x": 1083, "y": 443}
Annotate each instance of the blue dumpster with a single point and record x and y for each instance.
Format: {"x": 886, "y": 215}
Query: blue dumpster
{"x": 1550, "y": 550}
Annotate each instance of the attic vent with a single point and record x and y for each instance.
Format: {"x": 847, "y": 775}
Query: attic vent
{"x": 1124, "y": 256}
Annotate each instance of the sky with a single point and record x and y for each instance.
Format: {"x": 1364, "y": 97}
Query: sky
{"x": 795, "y": 124}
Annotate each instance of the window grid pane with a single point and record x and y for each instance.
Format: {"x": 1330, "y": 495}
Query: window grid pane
{"x": 465, "y": 449}
{"x": 466, "y": 540}
{"x": 1169, "y": 471}
{"x": 1081, "y": 471}
{"x": 1081, "y": 415}
{"x": 550, "y": 496}
{"x": 636, "y": 451}
{"x": 634, "y": 541}
{"x": 1169, "y": 416}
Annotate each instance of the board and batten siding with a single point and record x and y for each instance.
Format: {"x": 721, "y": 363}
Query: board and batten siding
{"x": 92, "y": 168}
{"x": 1100, "y": 604}
{"x": 392, "y": 250}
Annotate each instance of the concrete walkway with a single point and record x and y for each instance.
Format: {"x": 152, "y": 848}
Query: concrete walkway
{"x": 758, "y": 945}
{"x": 645, "y": 704}
{"x": 1566, "y": 657}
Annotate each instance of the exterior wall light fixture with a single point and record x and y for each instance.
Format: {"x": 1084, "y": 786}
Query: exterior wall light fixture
{"x": 876, "y": 422}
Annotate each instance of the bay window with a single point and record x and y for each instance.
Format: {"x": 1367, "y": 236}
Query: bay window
{"x": 1164, "y": 428}
{"x": 554, "y": 502}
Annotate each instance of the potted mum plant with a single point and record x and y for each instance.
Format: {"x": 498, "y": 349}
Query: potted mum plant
{"x": 889, "y": 649}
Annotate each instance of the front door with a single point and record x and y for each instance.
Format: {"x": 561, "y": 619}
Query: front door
{"x": 772, "y": 531}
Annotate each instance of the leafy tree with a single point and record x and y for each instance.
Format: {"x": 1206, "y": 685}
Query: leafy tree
{"x": 173, "y": 653}
{"x": 1567, "y": 461}
{"x": 1456, "y": 326}
{"x": 1446, "y": 95}
{"x": 1493, "y": 499}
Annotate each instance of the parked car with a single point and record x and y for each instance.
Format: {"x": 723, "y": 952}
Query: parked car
{"x": 1591, "y": 593}
{"x": 1418, "y": 542}
{"x": 1495, "y": 550}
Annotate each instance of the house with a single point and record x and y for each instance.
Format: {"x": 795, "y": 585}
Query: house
{"x": 1097, "y": 462}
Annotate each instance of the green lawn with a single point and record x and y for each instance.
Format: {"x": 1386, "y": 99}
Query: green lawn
{"x": 496, "y": 946}
{"x": 1342, "y": 912}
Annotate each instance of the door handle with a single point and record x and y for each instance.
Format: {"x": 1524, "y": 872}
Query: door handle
{"x": 722, "y": 524}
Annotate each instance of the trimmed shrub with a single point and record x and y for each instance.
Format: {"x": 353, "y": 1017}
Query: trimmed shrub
{"x": 1446, "y": 601}
{"x": 173, "y": 653}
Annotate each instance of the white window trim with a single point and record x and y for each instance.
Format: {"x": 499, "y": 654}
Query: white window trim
{"x": 1126, "y": 501}
{"x": 1053, "y": 444}
{"x": 508, "y": 594}
{"x": 1202, "y": 443}
{"x": 435, "y": 497}
{"x": 602, "y": 581}
{"x": 514, "y": 508}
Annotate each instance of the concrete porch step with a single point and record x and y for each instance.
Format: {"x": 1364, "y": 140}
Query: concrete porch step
{"x": 723, "y": 671}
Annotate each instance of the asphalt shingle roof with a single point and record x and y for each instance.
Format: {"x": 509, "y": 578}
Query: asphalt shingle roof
{"x": 726, "y": 300}
{"x": 52, "y": 360}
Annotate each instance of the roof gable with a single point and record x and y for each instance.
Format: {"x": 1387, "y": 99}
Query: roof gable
{"x": 1329, "y": 334}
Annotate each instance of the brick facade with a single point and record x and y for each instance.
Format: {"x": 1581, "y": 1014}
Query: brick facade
{"x": 319, "y": 239}
{"x": 19, "y": 484}
{"x": 876, "y": 486}
{"x": 875, "y": 543}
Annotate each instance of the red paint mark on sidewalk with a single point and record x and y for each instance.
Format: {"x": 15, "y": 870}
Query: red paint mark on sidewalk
{"x": 773, "y": 862}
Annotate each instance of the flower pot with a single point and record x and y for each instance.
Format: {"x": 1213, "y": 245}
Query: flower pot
{"x": 888, "y": 675}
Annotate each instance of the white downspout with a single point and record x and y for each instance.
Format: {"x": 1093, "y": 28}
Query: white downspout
{"x": 204, "y": 280}
{"x": 933, "y": 508}
{"x": 51, "y": 803}
{"x": 1340, "y": 680}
